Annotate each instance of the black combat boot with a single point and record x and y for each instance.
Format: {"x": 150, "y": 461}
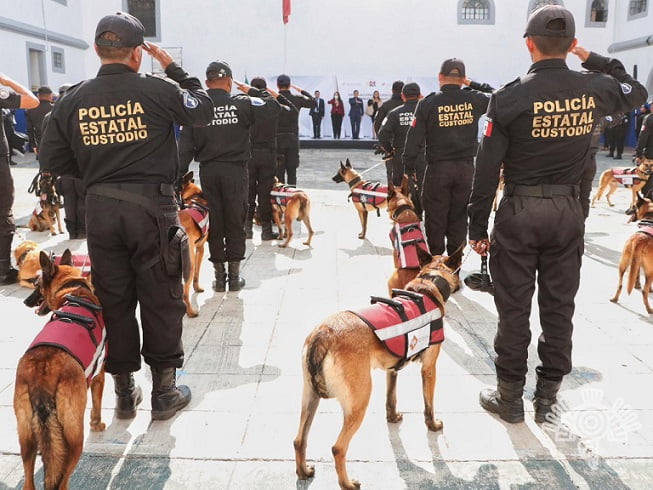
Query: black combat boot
{"x": 167, "y": 397}
{"x": 544, "y": 398}
{"x": 220, "y": 283}
{"x": 267, "y": 233}
{"x": 506, "y": 401}
{"x": 236, "y": 283}
{"x": 8, "y": 275}
{"x": 128, "y": 395}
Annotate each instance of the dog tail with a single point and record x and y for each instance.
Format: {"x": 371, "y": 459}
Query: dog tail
{"x": 49, "y": 433}
{"x": 316, "y": 352}
{"x": 635, "y": 264}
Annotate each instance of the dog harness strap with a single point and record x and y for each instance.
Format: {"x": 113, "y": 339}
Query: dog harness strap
{"x": 648, "y": 230}
{"x": 405, "y": 238}
{"x": 82, "y": 302}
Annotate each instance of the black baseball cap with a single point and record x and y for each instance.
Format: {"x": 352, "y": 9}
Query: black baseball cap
{"x": 453, "y": 68}
{"x": 283, "y": 80}
{"x": 397, "y": 86}
{"x": 218, "y": 69}
{"x": 539, "y": 22}
{"x": 127, "y": 27}
{"x": 259, "y": 83}
{"x": 411, "y": 90}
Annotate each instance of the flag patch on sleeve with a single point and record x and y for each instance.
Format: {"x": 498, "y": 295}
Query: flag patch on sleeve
{"x": 487, "y": 129}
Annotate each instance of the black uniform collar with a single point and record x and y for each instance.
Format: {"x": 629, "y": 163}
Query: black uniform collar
{"x": 449, "y": 86}
{"x": 114, "y": 69}
{"x": 217, "y": 90}
{"x": 548, "y": 64}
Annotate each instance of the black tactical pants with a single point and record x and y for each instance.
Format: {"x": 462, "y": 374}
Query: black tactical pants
{"x": 7, "y": 224}
{"x": 261, "y": 178}
{"x": 445, "y": 195}
{"x": 225, "y": 186}
{"x": 125, "y": 250}
{"x": 535, "y": 240}
{"x": 287, "y": 158}
{"x": 74, "y": 204}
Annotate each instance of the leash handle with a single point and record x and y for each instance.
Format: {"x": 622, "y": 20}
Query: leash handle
{"x": 484, "y": 265}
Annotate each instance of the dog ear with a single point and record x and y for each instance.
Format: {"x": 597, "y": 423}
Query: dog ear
{"x": 66, "y": 257}
{"x": 48, "y": 269}
{"x": 348, "y": 163}
{"x": 456, "y": 258}
{"x": 342, "y": 167}
{"x": 423, "y": 257}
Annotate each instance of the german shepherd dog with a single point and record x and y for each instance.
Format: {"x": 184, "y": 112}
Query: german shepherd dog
{"x": 366, "y": 196}
{"x": 339, "y": 354}
{"x": 48, "y": 209}
{"x": 27, "y": 255}
{"x": 638, "y": 253}
{"x": 51, "y": 384}
{"x": 194, "y": 218}
{"x": 634, "y": 178}
{"x": 402, "y": 212}
{"x": 290, "y": 204}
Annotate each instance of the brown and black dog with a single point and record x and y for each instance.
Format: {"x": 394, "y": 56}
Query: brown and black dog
{"x": 366, "y": 196}
{"x": 339, "y": 354}
{"x": 194, "y": 217}
{"x": 407, "y": 232}
{"x": 47, "y": 212}
{"x": 290, "y": 204}
{"x": 51, "y": 384}
{"x": 635, "y": 178}
{"x": 638, "y": 253}
{"x": 27, "y": 255}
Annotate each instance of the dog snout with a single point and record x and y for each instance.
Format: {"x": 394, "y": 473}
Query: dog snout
{"x": 338, "y": 178}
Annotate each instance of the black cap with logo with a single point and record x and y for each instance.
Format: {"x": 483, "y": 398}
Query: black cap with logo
{"x": 218, "y": 69}
{"x": 127, "y": 27}
{"x": 453, "y": 67}
{"x": 411, "y": 90}
{"x": 541, "y": 22}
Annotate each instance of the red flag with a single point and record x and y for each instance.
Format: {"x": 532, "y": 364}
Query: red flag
{"x": 286, "y": 10}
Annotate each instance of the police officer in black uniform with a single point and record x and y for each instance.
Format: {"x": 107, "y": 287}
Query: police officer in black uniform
{"x": 34, "y": 117}
{"x": 288, "y": 130}
{"x": 223, "y": 149}
{"x": 392, "y": 136}
{"x": 394, "y": 101}
{"x": 448, "y": 121}
{"x": 540, "y": 127}
{"x": 262, "y": 166}
{"x": 116, "y": 131}
{"x": 644, "y": 148}
{"x": 17, "y": 97}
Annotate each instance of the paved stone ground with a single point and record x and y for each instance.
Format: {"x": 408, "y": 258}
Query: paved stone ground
{"x": 243, "y": 364}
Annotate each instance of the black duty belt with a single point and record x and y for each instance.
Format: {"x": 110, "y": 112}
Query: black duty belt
{"x": 545, "y": 191}
{"x": 135, "y": 188}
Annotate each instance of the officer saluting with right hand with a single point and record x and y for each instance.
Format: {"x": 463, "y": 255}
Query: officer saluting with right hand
{"x": 540, "y": 127}
{"x": 116, "y": 132}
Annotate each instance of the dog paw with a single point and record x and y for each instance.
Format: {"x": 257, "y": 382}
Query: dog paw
{"x": 307, "y": 472}
{"x": 98, "y": 426}
{"x": 192, "y": 313}
{"x": 394, "y": 418}
{"x": 613, "y": 300}
{"x": 283, "y": 245}
{"x": 434, "y": 425}
{"x": 198, "y": 289}
{"x": 361, "y": 236}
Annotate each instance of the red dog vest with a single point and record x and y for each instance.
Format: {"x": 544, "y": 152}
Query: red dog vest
{"x": 78, "y": 330}
{"x": 405, "y": 325}
{"x": 648, "y": 229}
{"x": 405, "y": 238}
{"x": 200, "y": 215}
{"x": 281, "y": 194}
{"x": 82, "y": 262}
{"x": 371, "y": 193}
{"x": 627, "y": 176}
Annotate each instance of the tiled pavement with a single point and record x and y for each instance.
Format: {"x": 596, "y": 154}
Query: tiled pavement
{"x": 243, "y": 365}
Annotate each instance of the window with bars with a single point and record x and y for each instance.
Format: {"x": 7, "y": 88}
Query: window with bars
{"x": 637, "y": 7}
{"x": 58, "y": 60}
{"x": 599, "y": 11}
{"x": 476, "y": 12}
{"x": 536, "y": 4}
{"x": 147, "y": 12}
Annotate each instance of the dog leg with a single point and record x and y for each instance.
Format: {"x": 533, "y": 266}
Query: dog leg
{"x": 362, "y": 215}
{"x": 645, "y": 292}
{"x": 391, "y": 414}
{"x": 199, "y": 256}
{"x": 612, "y": 189}
{"x": 71, "y": 403}
{"x": 287, "y": 221}
{"x": 57, "y": 212}
{"x": 307, "y": 222}
{"x": 26, "y": 438}
{"x": 354, "y": 408}
{"x": 623, "y": 265}
{"x": 429, "y": 358}
{"x": 310, "y": 401}
{"x": 97, "y": 388}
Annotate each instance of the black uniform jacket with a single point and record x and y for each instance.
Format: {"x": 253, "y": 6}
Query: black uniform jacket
{"x": 645, "y": 140}
{"x": 386, "y": 107}
{"x": 34, "y": 119}
{"x": 448, "y": 120}
{"x": 263, "y": 133}
{"x": 392, "y": 135}
{"x": 226, "y": 138}
{"x": 540, "y": 127}
{"x": 8, "y": 100}
{"x": 118, "y": 127}
{"x": 288, "y": 119}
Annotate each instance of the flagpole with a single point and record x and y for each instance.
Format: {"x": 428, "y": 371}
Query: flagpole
{"x": 285, "y": 46}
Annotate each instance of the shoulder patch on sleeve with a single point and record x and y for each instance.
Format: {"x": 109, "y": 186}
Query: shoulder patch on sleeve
{"x": 626, "y": 88}
{"x": 190, "y": 101}
{"x": 256, "y": 101}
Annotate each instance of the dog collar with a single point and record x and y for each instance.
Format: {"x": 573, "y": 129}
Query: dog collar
{"x": 354, "y": 181}
{"x": 401, "y": 209}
